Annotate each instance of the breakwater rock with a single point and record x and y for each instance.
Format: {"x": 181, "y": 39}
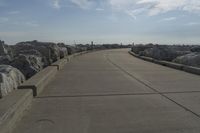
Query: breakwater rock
{"x": 10, "y": 78}
{"x": 192, "y": 59}
{"x": 182, "y": 54}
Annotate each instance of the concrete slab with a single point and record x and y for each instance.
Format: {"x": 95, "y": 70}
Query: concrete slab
{"x": 92, "y": 74}
{"x": 93, "y": 83}
{"x": 164, "y": 79}
{"x": 115, "y": 114}
{"x": 189, "y": 100}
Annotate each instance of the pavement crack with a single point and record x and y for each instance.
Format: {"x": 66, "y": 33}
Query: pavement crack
{"x": 108, "y": 95}
{"x": 96, "y": 95}
{"x": 150, "y": 87}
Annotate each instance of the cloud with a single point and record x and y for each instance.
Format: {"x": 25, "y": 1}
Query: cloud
{"x": 192, "y": 23}
{"x": 134, "y": 8}
{"x": 14, "y": 12}
{"x": 168, "y": 19}
{"x": 133, "y": 13}
{"x": 121, "y": 4}
{"x": 154, "y": 7}
{"x": 56, "y": 4}
{"x": 84, "y": 4}
{"x": 126, "y": 6}
{"x": 3, "y": 20}
{"x": 99, "y": 9}
{"x": 26, "y": 23}
{"x": 32, "y": 24}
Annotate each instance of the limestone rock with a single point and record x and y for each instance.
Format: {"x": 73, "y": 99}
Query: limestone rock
{"x": 195, "y": 49}
{"x": 160, "y": 53}
{"x": 3, "y": 50}
{"x": 5, "y": 60}
{"x": 5, "y": 53}
{"x": 63, "y": 50}
{"x": 140, "y": 48}
{"x": 49, "y": 51}
{"x": 71, "y": 49}
{"x": 10, "y": 78}
{"x": 28, "y": 64}
{"x": 192, "y": 59}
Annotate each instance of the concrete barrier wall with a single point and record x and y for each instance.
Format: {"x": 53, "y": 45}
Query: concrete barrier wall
{"x": 40, "y": 80}
{"x": 191, "y": 69}
{"x": 177, "y": 66}
{"x": 60, "y": 63}
{"x": 172, "y": 65}
{"x": 147, "y": 58}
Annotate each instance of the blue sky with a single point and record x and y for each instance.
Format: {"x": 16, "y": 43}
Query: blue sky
{"x": 101, "y": 21}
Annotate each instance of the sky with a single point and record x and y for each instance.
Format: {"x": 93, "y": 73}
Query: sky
{"x": 101, "y": 21}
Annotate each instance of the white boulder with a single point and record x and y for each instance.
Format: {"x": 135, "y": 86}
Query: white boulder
{"x": 10, "y": 78}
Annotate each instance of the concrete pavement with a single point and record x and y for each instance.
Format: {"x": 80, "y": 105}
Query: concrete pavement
{"x": 113, "y": 92}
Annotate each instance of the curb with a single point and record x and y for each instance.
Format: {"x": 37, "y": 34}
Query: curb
{"x": 189, "y": 69}
{"x": 12, "y": 108}
{"x": 60, "y": 63}
{"x": 147, "y": 58}
{"x": 170, "y": 64}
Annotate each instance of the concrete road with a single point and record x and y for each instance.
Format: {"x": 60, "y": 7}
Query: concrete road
{"x": 113, "y": 92}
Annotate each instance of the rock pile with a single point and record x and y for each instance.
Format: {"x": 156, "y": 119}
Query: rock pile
{"x": 63, "y": 50}
{"x": 140, "y": 48}
{"x": 195, "y": 49}
{"x": 182, "y": 54}
{"x": 5, "y": 53}
{"x": 192, "y": 59}
{"x": 26, "y": 59}
{"x": 10, "y": 78}
{"x": 32, "y": 56}
{"x": 161, "y": 52}
{"x": 29, "y": 65}
{"x": 50, "y": 51}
